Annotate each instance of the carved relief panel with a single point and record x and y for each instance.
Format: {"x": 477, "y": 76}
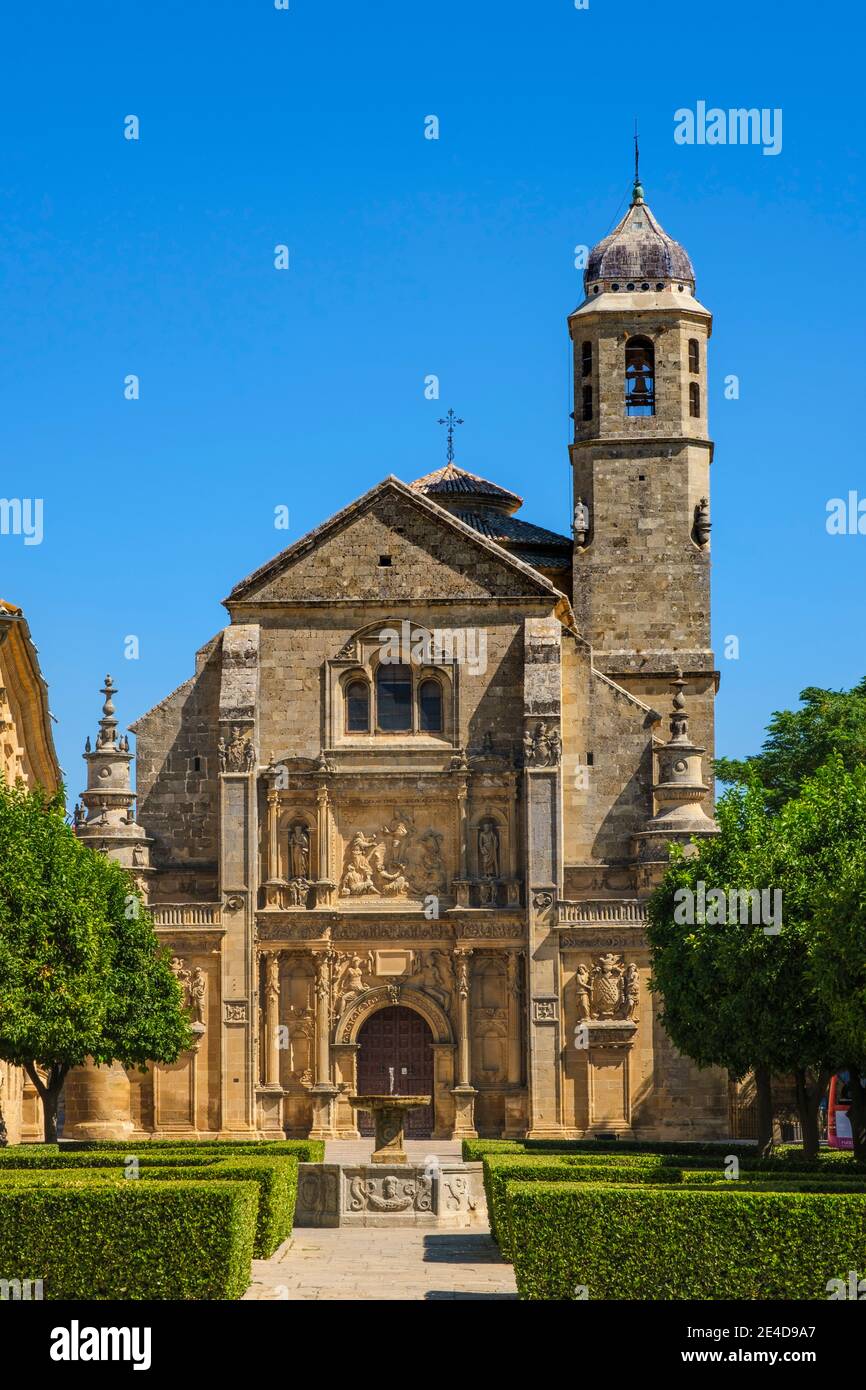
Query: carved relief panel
{"x": 404, "y": 853}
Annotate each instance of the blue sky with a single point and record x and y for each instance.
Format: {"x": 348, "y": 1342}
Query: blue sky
{"x": 303, "y": 388}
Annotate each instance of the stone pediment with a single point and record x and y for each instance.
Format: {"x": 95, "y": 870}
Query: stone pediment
{"x": 391, "y": 544}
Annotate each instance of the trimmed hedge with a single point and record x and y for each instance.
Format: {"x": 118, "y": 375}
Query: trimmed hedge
{"x": 476, "y": 1149}
{"x": 18, "y": 1158}
{"x": 304, "y": 1150}
{"x": 277, "y": 1179}
{"x": 501, "y": 1169}
{"x": 619, "y": 1241}
{"x": 129, "y": 1240}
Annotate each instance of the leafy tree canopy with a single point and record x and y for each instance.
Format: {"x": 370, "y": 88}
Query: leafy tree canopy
{"x": 800, "y": 741}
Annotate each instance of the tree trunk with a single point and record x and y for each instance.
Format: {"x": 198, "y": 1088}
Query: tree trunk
{"x": 764, "y": 1091}
{"x": 810, "y": 1089}
{"x": 857, "y": 1113}
{"x": 49, "y": 1093}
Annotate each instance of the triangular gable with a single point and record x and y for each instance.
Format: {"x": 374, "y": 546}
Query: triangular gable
{"x": 433, "y": 553}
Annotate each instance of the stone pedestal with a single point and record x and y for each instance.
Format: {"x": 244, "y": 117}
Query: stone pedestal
{"x": 464, "y": 1112}
{"x": 389, "y": 1118}
{"x": 609, "y": 1043}
{"x": 269, "y": 1106}
{"x": 322, "y": 1096}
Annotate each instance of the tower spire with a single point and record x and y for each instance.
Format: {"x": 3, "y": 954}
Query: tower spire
{"x": 637, "y": 192}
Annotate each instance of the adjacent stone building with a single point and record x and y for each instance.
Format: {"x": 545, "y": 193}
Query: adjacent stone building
{"x": 27, "y": 754}
{"x": 400, "y": 825}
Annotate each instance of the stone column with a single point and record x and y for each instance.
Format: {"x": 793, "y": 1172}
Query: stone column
{"x": 239, "y": 859}
{"x": 96, "y": 1103}
{"x": 464, "y": 1091}
{"x": 324, "y": 1090}
{"x": 461, "y": 828}
{"x": 272, "y": 1018}
{"x": 273, "y": 834}
{"x": 514, "y": 969}
{"x": 542, "y": 811}
{"x": 325, "y": 868}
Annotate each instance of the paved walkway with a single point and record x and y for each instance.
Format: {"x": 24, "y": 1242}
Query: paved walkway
{"x": 353, "y": 1263}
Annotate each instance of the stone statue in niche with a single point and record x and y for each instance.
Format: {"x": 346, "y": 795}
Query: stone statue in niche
{"x": 197, "y": 990}
{"x": 488, "y": 849}
{"x": 630, "y": 992}
{"x": 299, "y": 850}
{"x": 583, "y": 993}
{"x": 581, "y": 522}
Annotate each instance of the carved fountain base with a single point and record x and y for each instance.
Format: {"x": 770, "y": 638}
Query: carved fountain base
{"x": 439, "y": 1194}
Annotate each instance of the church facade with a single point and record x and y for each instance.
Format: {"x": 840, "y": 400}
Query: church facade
{"x": 400, "y": 825}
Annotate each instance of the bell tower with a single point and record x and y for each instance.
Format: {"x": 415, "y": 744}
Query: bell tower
{"x": 641, "y": 459}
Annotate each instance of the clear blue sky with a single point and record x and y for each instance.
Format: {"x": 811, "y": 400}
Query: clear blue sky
{"x": 408, "y": 257}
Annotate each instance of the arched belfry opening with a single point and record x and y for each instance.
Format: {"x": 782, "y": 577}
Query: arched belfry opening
{"x": 395, "y": 1057}
{"x": 640, "y": 377}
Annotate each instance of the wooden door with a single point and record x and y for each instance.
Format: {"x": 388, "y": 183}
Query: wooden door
{"x": 397, "y": 1038}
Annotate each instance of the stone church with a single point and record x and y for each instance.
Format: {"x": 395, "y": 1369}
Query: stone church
{"x": 399, "y": 827}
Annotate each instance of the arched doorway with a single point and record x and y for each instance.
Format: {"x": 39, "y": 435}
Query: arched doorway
{"x": 397, "y": 1040}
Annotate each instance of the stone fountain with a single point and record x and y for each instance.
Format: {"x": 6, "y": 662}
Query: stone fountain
{"x": 390, "y": 1190}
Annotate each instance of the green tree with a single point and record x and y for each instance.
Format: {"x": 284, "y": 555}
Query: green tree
{"x": 800, "y": 741}
{"x": 82, "y": 973}
{"x": 734, "y": 993}
{"x": 825, "y": 829}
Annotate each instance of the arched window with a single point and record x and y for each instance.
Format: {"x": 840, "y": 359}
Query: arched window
{"x": 393, "y": 698}
{"x": 357, "y": 707}
{"x": 694, "y": 400}
{"x": 640, "y": 394}
{"x": 430, "y": 707}
{"x": 586, "y": 359}
{"x": 587, "y": 402}
{"x": 694, "y": 356}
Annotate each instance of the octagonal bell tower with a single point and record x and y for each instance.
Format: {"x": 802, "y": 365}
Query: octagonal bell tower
{"x": 641, "y": 460}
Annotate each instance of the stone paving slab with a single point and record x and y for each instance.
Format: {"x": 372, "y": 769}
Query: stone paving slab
{"x": 368, "y": 1263}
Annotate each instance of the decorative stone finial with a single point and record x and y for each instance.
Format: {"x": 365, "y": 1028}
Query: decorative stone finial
{"x": 702, "y": 521}
{"x": 679, "y": 721}
{"x": 107, "y": 724}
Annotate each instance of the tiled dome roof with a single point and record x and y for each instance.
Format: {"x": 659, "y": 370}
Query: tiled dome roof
{"x": 452, "y": 485}
{"x": 638, "y": 250}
